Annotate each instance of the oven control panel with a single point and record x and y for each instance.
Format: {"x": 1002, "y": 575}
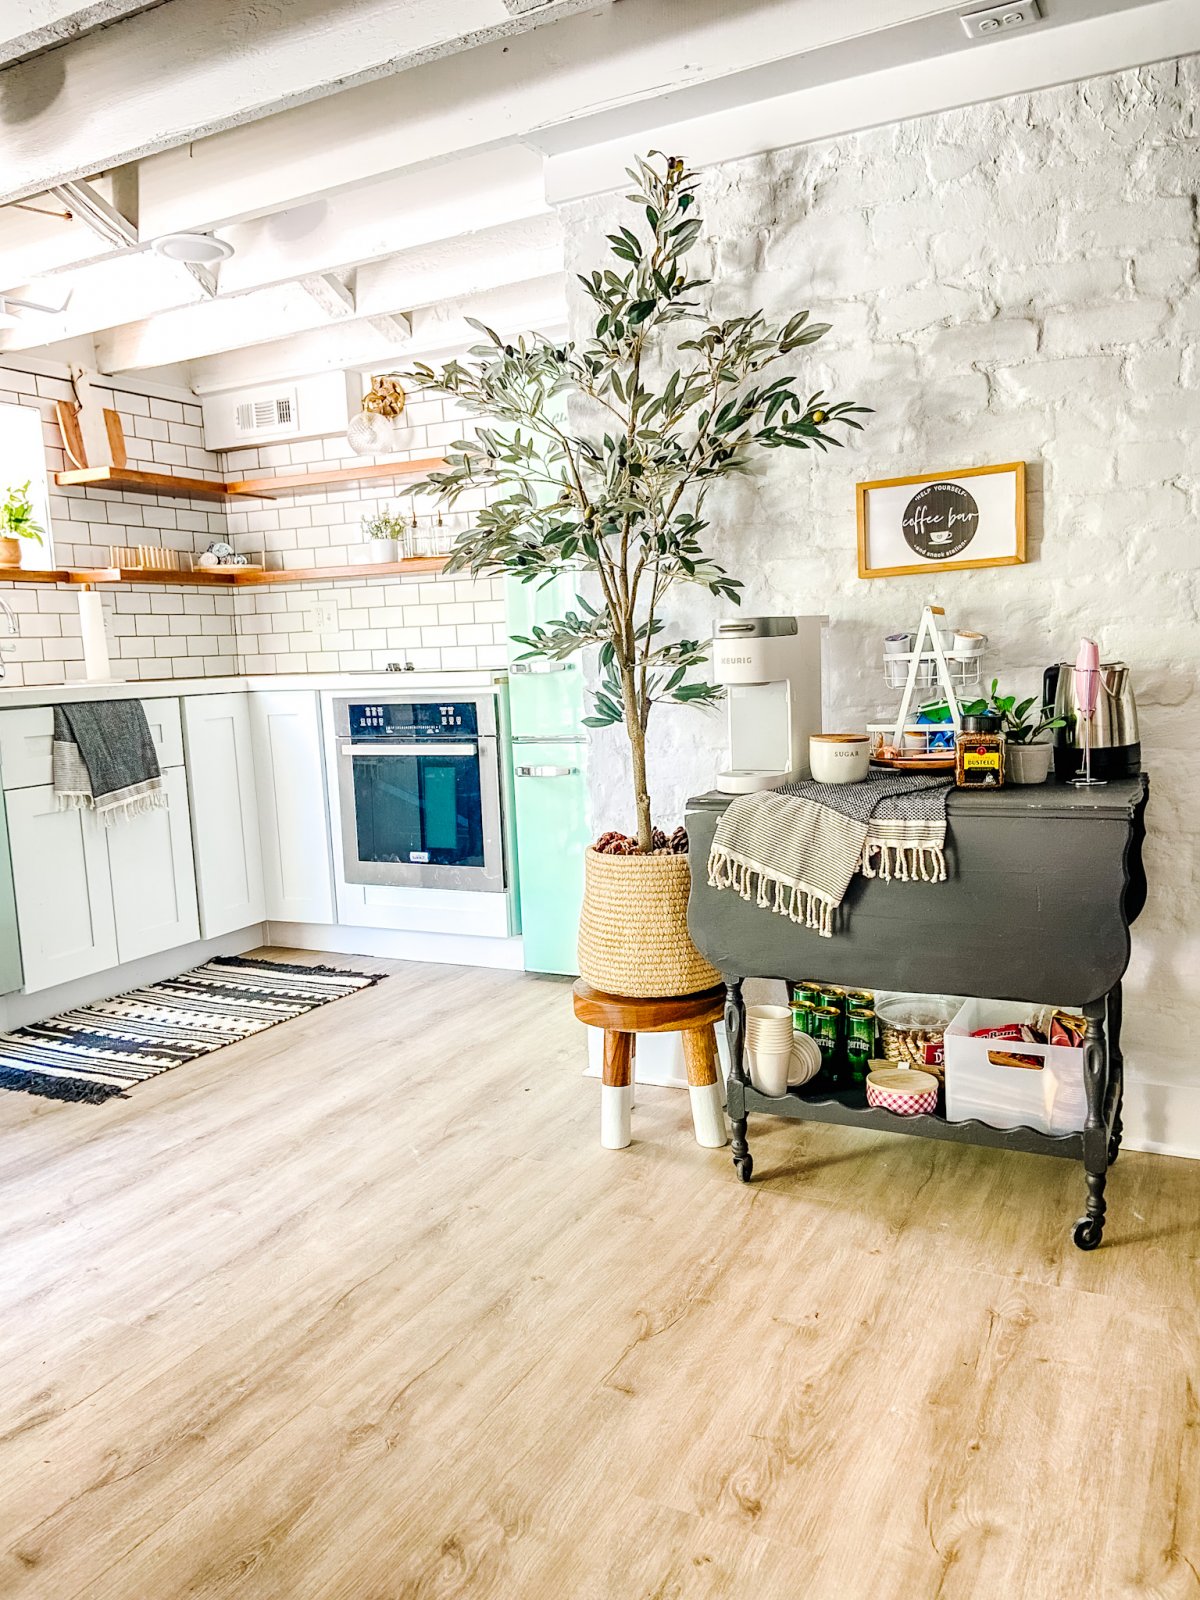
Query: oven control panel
{"x": 413, "y": 719}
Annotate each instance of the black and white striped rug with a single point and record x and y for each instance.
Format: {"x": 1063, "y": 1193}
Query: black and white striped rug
{"x": 104, "y": 1049}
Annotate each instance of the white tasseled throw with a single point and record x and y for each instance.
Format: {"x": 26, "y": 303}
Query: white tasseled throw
{"x": 794, "y": 850}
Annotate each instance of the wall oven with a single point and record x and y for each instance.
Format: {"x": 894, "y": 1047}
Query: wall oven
{"x": 419, "y": 783}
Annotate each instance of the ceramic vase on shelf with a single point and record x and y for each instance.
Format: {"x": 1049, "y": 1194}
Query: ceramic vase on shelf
{"x": 633, "y": 932}
{"x": 1027, "y": 763}
{"x": 10, "y": 552}
{"x": 382, "y": 550}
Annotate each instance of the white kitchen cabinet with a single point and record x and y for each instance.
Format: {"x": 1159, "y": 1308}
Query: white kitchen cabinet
{"x": 63, "y": 889}
{"x": 153, "y": 876}
{"x": 293, "y": 819}
{"x": 224, "y": 806}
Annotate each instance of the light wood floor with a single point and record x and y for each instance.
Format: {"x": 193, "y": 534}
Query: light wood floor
{"x": 360, "y": 1311}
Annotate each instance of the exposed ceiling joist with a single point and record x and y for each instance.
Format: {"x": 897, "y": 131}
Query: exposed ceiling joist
{"x": 328, "y": 292}
{"x": 180, "y": 71}
{"x": 29, "y": 27}
{"x": 437, "y": 332}
{"x": 479, "y": 264}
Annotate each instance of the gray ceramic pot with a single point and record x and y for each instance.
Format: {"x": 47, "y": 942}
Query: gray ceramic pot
{"x": 1027, "y": 763}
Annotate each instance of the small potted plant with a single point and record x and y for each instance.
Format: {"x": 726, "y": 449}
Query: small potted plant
{"x": 18, "y": 522}
{"x": 1026, "y": 753}
{"x": 385, "y": 533}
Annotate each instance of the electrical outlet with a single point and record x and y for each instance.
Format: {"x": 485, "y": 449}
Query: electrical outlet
{"x": 322, "y": 618}
{"x": 998, "y": 20}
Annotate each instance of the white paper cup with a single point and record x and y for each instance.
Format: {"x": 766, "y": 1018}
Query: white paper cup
{"x": 839, "y": 757}
{"x": 806, "y": 1061}
{"x": 769, "y": 1071}
{"x": 768, "y": 1013}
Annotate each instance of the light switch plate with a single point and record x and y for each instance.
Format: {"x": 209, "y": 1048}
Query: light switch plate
{"x": 997, "y": 21}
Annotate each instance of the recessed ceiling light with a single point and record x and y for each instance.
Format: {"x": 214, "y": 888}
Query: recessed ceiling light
{"x": 197, "y": 249}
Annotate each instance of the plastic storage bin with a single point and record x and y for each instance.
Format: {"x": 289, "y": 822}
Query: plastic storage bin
{"x": 1051, "y": 1098}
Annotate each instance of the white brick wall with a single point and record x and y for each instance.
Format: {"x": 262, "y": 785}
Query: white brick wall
{"x": 433, "y": 622}
{"x": 1013, "y": 280}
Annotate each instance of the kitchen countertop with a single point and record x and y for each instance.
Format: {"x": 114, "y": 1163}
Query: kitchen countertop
{"x": 172, "y": 688}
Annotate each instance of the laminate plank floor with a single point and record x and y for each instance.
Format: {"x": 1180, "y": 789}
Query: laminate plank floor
{"x": 359, "y": 1310}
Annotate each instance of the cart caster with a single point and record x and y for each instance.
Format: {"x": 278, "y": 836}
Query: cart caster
{"x": 744, "y": 1167}
{"x": 1088, "y": 1232}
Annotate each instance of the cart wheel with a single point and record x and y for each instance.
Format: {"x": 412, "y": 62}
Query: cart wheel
{"x": 1087, "y": 1233}
{"x": 744, "y": 1167}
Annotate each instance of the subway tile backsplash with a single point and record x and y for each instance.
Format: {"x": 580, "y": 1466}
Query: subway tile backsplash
{"x": 430, "y": 621}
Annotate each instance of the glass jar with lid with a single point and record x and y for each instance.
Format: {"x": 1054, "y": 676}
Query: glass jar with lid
{"x": 979, "y": 753}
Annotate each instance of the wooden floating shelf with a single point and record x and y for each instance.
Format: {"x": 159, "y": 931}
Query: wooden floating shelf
{"x": 334, "y": 478}
{"x": 141, "y": 482}
{"x": 243, "y": 488}
{"x": 224, "y": 577}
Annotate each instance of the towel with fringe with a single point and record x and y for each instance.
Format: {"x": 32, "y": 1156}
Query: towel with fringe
{"x": 794, "y": 850}
{"x": 104, "y": 760}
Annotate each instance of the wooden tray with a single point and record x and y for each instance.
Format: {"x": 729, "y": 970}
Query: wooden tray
{"x": 915, "y": 763}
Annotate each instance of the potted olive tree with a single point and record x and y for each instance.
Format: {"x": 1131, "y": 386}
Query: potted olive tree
{"x": 601, "y": 459}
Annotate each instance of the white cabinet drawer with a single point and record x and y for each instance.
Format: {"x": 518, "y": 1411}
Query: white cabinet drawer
{"x": 26, "y": 736}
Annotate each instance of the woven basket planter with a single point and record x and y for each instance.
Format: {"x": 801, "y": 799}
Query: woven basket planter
{"x": 633, "y": 933}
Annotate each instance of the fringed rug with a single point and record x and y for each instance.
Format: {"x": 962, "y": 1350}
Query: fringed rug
{"x": 101, "y": 1050}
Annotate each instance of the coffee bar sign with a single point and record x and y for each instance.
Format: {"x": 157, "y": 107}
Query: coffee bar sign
{"x": 974, "y": 517}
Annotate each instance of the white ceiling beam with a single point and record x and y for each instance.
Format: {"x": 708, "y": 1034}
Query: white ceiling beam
{"x": 28, "y": 27}
{"x": 107, "y": 294}
{"x": 437, "y": 333}
{"x": 479, "y": 264}
{"x": 1089, "y": 47}
{"x": 496, "y": 94}
{"x": 178, "y": 72}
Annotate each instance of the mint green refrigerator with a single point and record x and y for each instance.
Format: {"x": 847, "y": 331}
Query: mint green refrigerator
{"x": 549, "y": 751}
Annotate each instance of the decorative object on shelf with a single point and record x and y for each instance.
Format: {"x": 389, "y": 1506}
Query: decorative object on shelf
{"x": 387, "y": 536}
{"x": 97, "y": 1052}
{"x": 379, "y": 428}
{"x": 92, "y": 433}
{"x": 18, "y": 521}
{"x": 1026, "y": 754}
{"x": 634, "y": 485}
{"x": 974, "y": 517}
{"x": 150, "y": 557}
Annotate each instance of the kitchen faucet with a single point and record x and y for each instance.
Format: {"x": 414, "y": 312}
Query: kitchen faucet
{"x": 13, "y": 628}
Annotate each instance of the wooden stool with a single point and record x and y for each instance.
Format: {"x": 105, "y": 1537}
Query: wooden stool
{"x": 692, "y": 1015}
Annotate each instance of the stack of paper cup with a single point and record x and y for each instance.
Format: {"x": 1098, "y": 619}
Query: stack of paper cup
{"x": 769, "y": 1039}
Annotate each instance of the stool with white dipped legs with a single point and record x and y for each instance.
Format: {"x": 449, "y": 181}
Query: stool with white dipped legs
{"x": 622, "y": 1018}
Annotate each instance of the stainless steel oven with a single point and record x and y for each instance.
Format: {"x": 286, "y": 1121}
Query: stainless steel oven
{"x": 419, "y": 782}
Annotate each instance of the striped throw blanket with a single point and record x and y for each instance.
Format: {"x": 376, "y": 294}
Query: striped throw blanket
{"x": 795, "y": 849}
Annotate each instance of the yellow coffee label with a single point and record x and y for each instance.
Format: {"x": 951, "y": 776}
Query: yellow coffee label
{"x": 981, "y": 758}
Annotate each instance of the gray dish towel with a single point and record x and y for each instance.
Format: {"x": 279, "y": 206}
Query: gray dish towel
{"x": 795, "y": 849}
{"x": 104, "y": 759}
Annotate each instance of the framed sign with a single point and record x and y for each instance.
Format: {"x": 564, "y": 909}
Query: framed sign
{"x": 950, "y": 520}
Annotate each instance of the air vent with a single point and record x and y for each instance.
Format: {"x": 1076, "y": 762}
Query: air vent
{"x": 274, "y": 415}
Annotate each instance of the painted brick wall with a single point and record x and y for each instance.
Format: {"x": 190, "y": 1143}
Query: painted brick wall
{"x": 1013, "y": 280}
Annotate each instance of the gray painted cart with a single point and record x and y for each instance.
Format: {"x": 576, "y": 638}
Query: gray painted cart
{"x": 1043, "y": 884}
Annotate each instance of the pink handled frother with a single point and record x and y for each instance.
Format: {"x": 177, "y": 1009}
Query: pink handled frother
{"x": 1087, "y": 693}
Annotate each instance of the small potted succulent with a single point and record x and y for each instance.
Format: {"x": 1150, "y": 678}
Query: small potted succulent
{"x": 17, "y": 522}
{"x": 385, "y": 532}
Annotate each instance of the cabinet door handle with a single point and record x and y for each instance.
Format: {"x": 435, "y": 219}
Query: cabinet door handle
{"x": 546, "y": 772}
